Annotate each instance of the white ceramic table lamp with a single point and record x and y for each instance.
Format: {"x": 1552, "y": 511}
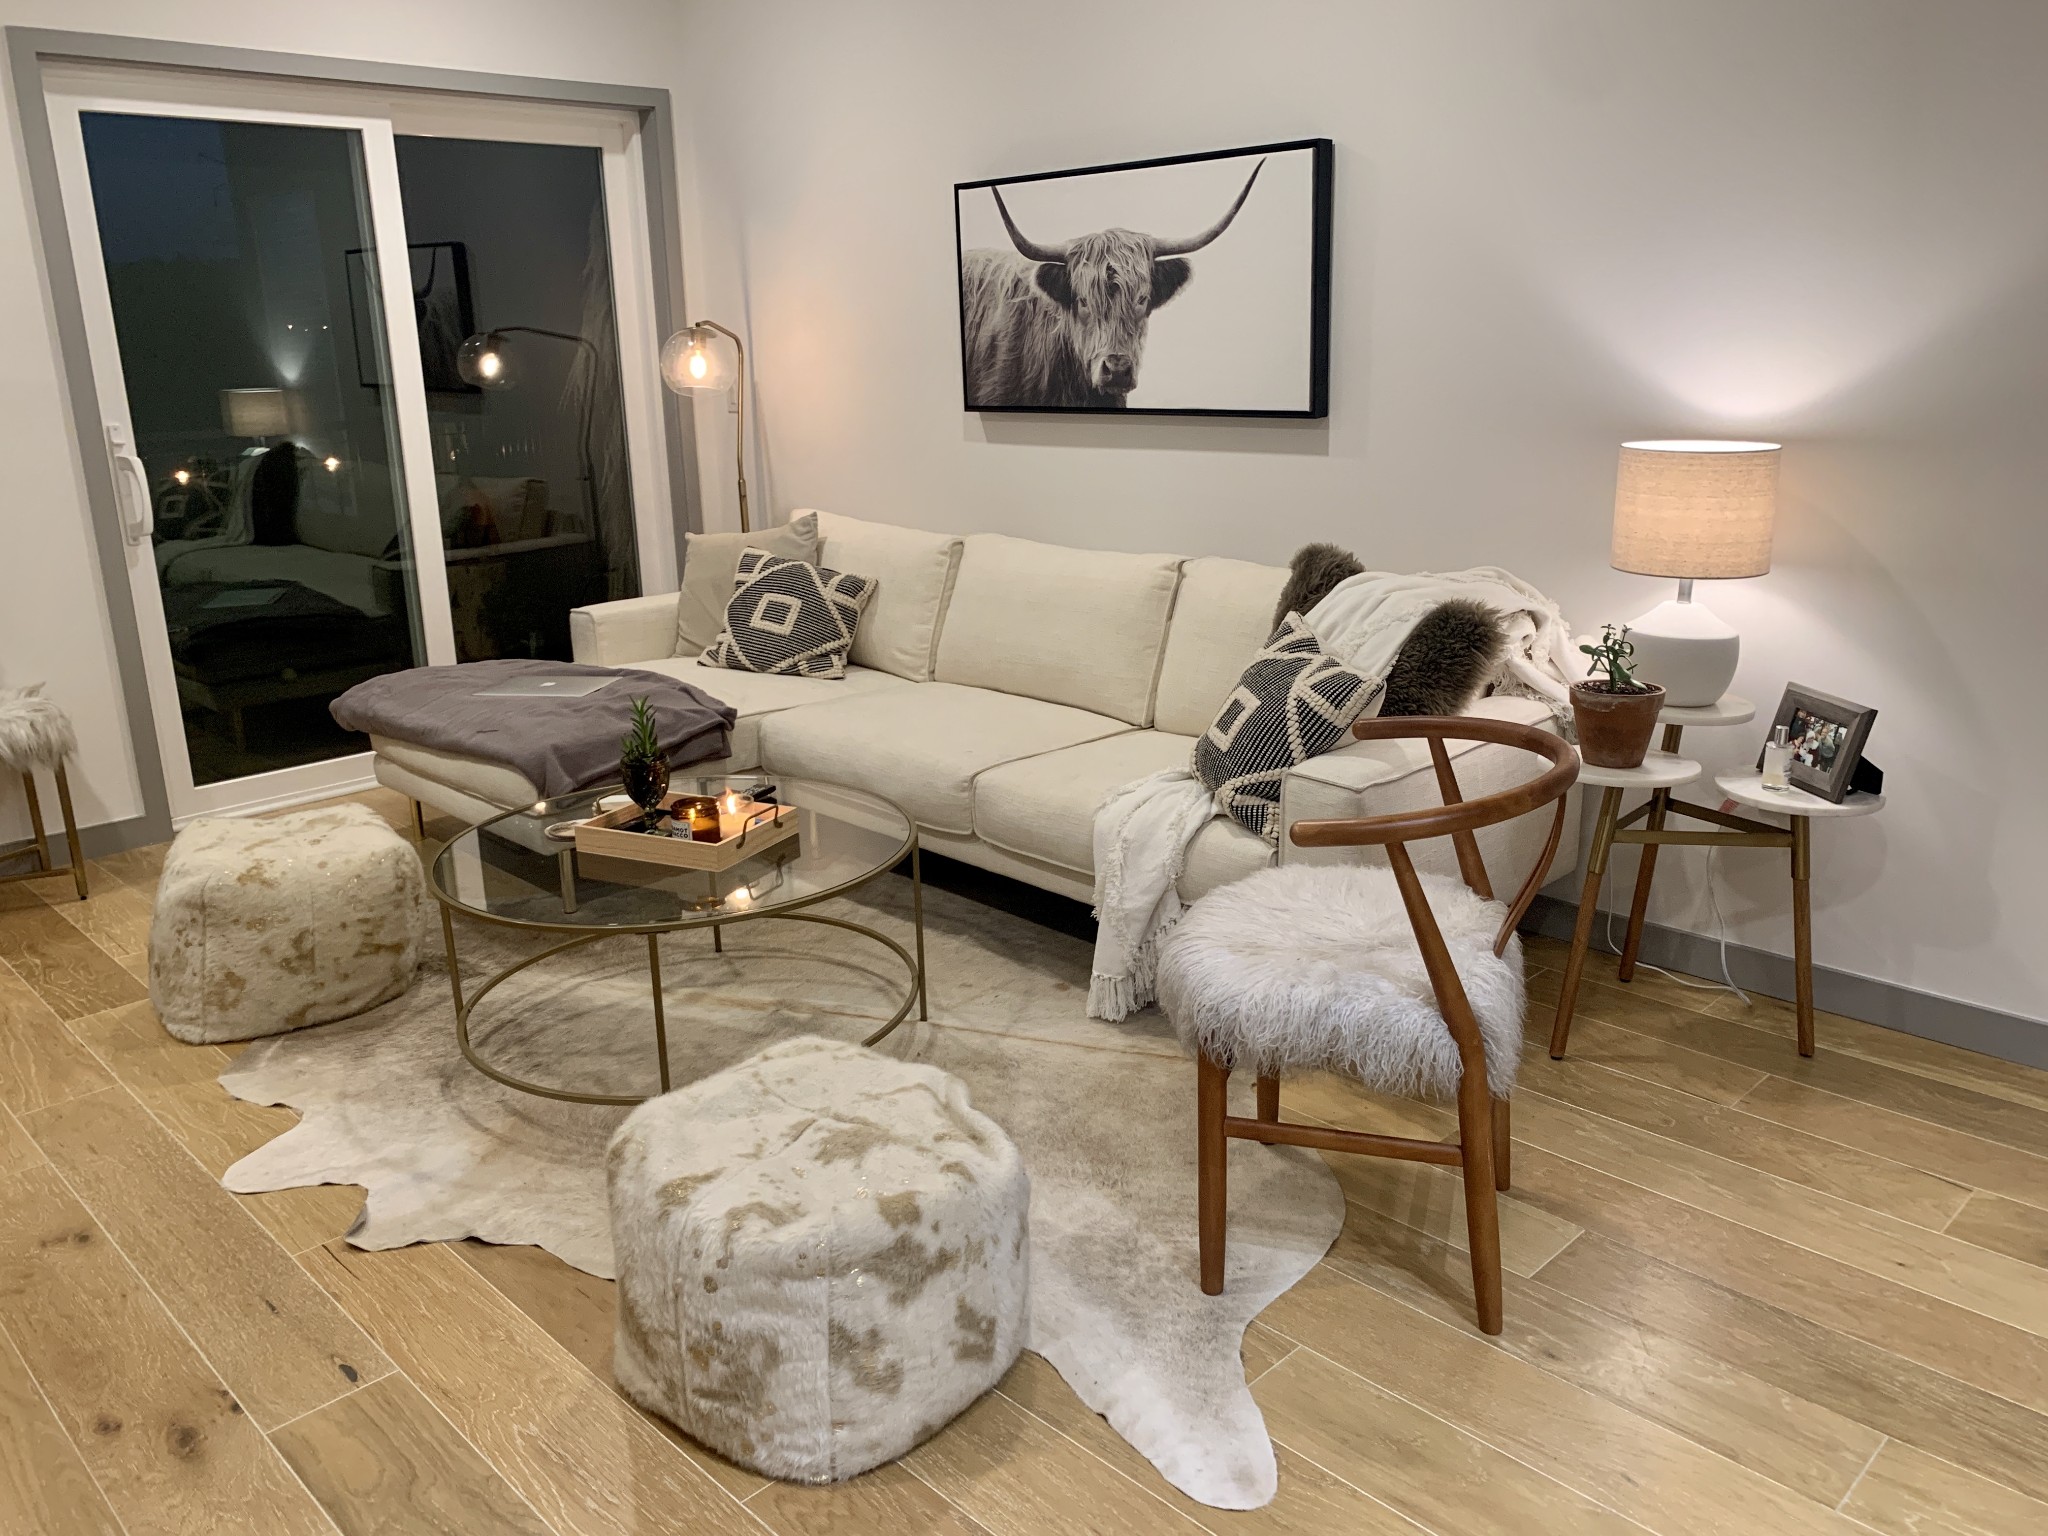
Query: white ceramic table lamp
{"x": 1696, "y": 511}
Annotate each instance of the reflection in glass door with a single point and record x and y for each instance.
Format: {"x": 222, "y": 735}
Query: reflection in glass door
{"x": 265, "y": 490}
{"x": 513, "y": 295}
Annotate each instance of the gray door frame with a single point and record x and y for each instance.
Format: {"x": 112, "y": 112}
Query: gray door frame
{"x": 30, "y": 49}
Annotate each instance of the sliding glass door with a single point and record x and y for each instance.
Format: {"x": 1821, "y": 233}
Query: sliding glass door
{"x": 376, "y": 395}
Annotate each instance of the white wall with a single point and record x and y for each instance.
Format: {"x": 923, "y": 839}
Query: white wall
{"x": 1559, "y": 225}
{"x": 53, "y": 621}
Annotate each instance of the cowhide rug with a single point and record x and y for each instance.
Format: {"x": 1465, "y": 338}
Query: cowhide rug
{"x": 1104, "y": 1115}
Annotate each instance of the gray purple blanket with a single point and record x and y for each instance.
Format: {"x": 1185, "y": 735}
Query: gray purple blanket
{"x": 559, "y": 744}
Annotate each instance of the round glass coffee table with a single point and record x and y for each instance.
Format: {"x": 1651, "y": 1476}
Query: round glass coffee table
{"x": 510, "y": 872}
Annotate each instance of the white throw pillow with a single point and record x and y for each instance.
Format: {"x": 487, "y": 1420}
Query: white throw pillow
{"x": 709, "y": 563}
{"x": 913, "y": 571}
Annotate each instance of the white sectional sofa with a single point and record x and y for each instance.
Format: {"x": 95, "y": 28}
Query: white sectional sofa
{"x": 1000, "y": 688}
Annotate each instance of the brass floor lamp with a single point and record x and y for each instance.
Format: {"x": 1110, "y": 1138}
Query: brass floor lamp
{"x": 692, "y": 364}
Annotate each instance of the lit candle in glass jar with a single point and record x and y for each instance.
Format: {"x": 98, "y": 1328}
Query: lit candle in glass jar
{"x": 730, "y": 820}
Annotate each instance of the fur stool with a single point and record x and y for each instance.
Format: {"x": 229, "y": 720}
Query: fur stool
{"x": 35, "y": 733}
{"x": 821, "y": 1257}
{"x": 263, "y": 926}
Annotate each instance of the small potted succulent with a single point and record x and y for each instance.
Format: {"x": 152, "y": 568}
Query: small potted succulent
{"x": 1615, "y": 714}
{"x": 643, "y": 768}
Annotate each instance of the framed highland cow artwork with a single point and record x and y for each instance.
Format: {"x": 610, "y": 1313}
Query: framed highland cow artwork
{"x": 1192, "y": 286}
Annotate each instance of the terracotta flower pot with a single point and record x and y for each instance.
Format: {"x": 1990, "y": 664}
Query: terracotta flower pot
{"x": 1615, "y": 728}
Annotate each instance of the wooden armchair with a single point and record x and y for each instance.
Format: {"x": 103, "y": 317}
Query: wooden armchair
{"x": 1295, "y": 969}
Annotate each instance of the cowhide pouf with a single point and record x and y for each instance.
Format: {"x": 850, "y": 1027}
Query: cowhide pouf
{"x": 821, "y": 1257}
{"x": 267, "y": 925}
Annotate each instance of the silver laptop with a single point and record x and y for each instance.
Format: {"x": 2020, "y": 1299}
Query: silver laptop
{"x": 543, "y": 688}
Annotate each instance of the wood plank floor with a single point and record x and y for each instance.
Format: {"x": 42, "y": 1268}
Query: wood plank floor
{"x": 1746, "y": 1292}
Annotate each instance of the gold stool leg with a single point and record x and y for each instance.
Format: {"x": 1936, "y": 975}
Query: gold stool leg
{"x": 70, "y": 832}
{"x": 35, "y": 821}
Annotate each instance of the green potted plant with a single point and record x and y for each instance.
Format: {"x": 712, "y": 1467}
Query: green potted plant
{"x": 643, "y": 767}
{"x": 1616, "y": 714}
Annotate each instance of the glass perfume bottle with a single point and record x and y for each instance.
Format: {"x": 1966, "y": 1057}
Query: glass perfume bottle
{"x": 1777, "y": 758}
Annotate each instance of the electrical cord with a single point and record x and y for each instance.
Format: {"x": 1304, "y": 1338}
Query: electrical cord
{"x": 1727, "y": 981}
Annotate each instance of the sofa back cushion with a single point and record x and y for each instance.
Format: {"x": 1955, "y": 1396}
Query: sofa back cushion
{"x": 709, "y": 561}
{"x": 1223, "y": 614}
{"x": 913, "y": 572}
{"x": 1071, "y": 626}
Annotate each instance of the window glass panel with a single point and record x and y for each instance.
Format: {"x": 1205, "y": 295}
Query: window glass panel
{"x": 510, "y": 255}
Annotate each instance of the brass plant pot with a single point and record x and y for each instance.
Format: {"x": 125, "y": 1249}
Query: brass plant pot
{"x": 1615, "y": 728}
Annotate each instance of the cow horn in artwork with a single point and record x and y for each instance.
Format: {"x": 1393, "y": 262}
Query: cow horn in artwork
{"x": 1036, "y": 252}
{"x": 1162, "y": 248}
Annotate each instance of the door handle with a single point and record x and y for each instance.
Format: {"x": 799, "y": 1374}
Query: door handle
{"x": 140, "y": 528}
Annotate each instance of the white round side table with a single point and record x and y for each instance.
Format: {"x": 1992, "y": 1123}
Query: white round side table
{"x": 1660, "y": 774}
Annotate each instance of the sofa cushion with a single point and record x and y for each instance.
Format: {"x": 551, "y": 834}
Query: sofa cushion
{"x": 789, "y": 617}
{"x": 913, "y": 573}
{"x": 1069, "y": 626}
{"x": 1222, "y": 852}
{"x": 1221, "y": 616}
{"x": 709, "y": 560}
{"x": 1044, "y": 807}
{"x": 922, "y": 746}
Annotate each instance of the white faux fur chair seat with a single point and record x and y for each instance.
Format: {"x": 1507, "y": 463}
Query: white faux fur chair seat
{"x": 1315, "y": 968}
{"x": 821, "y": 1257}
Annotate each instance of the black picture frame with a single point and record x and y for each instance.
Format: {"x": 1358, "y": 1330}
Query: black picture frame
{"x": 444, "y": 314}
{"x": 1323, "y": 175}
{"x": 1802, "y": 706}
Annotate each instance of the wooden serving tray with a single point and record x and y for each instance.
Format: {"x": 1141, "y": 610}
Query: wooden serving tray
{"x": 605, "y": 836}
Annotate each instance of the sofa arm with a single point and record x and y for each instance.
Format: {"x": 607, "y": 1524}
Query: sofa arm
{"x": 1382, "y": 778}
{"x": 617, "y": 634}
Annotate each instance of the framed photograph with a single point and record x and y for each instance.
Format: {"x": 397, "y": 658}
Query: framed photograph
{"x": 1827, "y": 736}
{"x": 442, "y": 308}
{"x": 1192, "y": 286}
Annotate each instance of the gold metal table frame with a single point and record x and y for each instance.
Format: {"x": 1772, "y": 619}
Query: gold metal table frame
{"x": 465, "y": 1008}
{"x": 1736, "y": 832}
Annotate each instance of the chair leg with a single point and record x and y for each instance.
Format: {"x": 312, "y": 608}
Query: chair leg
{"x": 1482, "y": 1215}
{"x": 1269, "y": 1099}
{"x": 70, "y": 832}
{"x": 1212, "y": 1103}
{"x": 419, "y": 821}
{"x": 1502, "y": 1144}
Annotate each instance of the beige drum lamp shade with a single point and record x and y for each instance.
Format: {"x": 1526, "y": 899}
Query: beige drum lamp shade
{"x": 1695, "y": 510}
{"x": 255, "y": 412}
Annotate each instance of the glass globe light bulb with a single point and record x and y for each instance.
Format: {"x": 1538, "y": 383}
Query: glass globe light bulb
{"x": 692, "y": 360}
{"x": 482, "y": 361}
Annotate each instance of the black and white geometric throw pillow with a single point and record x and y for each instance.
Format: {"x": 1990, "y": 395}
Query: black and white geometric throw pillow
{"x": 1293, "y": 703}
{"x": 789, "y": 616}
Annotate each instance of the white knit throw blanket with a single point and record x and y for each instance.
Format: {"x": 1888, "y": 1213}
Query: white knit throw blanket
{"x": 1143, "y": 829}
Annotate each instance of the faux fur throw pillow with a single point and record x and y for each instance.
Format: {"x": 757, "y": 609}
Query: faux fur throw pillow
{"x": 1445, "y": 661}
{"x": 1313, "y": 571}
